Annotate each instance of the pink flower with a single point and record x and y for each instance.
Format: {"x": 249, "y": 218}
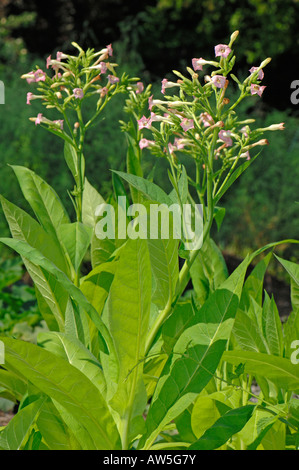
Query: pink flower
{"x": 143, "y": 122}
{"x": 78, "y": 93}
{"x": 102, "y": 67}
{"x": 150, "y": 102}
{"x": 179, "y": 143}
{"x": 222, "y": 50}
{"x": 196, "y": 64}
{"x": 103, "y": 91}
{"x": 225, "y": 136}
{"x": 109, "y": 49}
{"x": 206, "y": 119}
{"x": 145, "y": 143}
{"x": 113, "y": 79}
{"x": 187, "y": 124}
{"x": 245, "y": 155}
{"x": 39, "y": 119}
{"x": 256, "y": 89}
{"x": 29, "y": 97}
{"x": 219, "y": 81}
{"x": 39, "y": 76}
{"x": 164, "y": 85}
{"x": 49, "y": 60}
{"x": 260, "y": 74}
{"x": 140, "y": 87}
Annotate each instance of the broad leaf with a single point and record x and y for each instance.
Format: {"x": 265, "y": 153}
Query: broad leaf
{"x": 17, "y": 430}
{"x": 64, "y": 383}
{"x": 224, "y": 428}
{"x": 76, "y": 239}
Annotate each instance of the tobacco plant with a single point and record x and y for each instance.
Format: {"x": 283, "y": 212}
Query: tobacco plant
{"x": 133, "y": 357}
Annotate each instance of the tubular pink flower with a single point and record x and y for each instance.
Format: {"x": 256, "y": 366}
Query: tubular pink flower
{"x": 102, "y": 67}
{"x": 39, "y": 119}
{"x": 143, "y": 122}
{"x": 139, "y": 87}
{"x": 187, "y": 124}
{"x": 222, "y": 50}
{"x": 29, "y": 97}
{"x": 146, "y": 143}
{"x": 179, "y": 143}
{"x": 225, "y": 136}
{"x": 260, "y": 74}
{"x": 113, "y": 79}
{"x": 206, "y": 119}
{"x": 196, "y": 64}
{"x": 219, "y": 81}
{"x": 78, "y": 93}
{"x": 256, "y": 89}
{"x": 150, "y": 102}
{"x": 110, "y": 49}
{"x": 39, "y": 76}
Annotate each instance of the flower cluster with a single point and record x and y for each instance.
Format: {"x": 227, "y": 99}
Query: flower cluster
{"x": 201, "y": 117}
{"x": 74, "y": 79}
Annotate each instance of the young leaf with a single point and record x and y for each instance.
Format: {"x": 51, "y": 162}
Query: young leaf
{"x": 224, "y": 428}
{"x": 91, "y": 200}
{"x": 150, "y": 190}
{"x": 278, "y": 370}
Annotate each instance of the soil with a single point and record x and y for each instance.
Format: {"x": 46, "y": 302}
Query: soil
{"x": 5, "y": 417}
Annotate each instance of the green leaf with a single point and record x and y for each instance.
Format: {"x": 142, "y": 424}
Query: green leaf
{"x": 133, "y": 165}
{"x": 247, "y": 333}
{"x": 56, "y": 434}
{"x": 224, "y": 428}
{"x": 91, "y": 200}
{"x": 96, "y": 285}
{"x": 67, "y": 385}
{"x": 74, "y": 352}
{"x": 76, "y": 239}
{"x": 38, "y": 259}
{"x": 183, "y": 189}
{"x": 128, "y": 316}
{"x": 195, "y": 357}
{"x": 181, "y": 318}
{"x": 165, "y": 269}
{"x": 149, "y": 189}
{"x": 272, "y": 327}
{"x": 17, "y": 430}
{"x": 208, "y": 271}
{"x": 71, "y": 158}
{"x": 278, "y": 370}
{"x": 43, "y": 199}
{"x": 253, "y": 286}
{"x": 24, "y": 227}
{"x": 14, "y": 384}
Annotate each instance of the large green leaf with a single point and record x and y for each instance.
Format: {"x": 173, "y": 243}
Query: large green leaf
{"x": 64, "y": 383}
{"x": 73, "y": 351}
{"x": 195, "y": 357}
{"x": 43, "y": 199}
{"x": 38, "y": 259}
{"x": 272, "y": 328}
{"x": 56, "y": 434}
{"x": 17, "y": 386}
{"x": 224, "y": 428}
{"x": 17, "y": 430}
{"x": 278, "y": 370}
{"x": 128, "y": 316}
{"x": 247, "y": 333}
{"x": 253, "y": 286}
